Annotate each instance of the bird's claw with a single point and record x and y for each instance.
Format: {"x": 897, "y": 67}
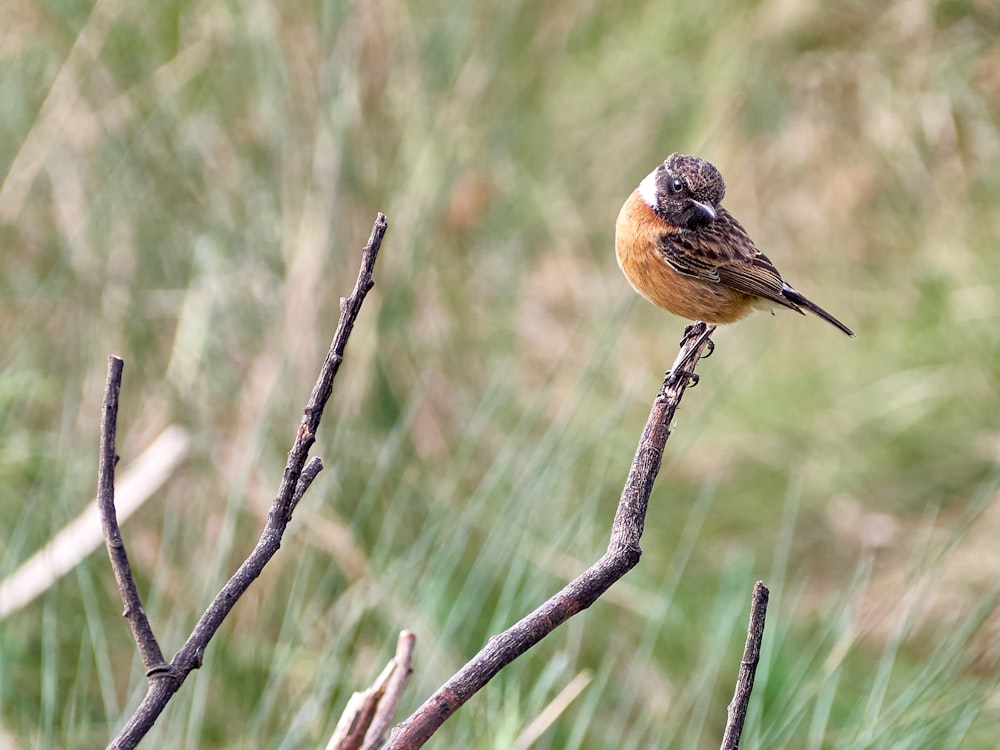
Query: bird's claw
{"x": 690, "y": 331}
{"x": 674, "y": 377}
{"x": 693, "y": 330}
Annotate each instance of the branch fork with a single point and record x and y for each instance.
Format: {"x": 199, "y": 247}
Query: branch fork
{"x": 164, "y": 679}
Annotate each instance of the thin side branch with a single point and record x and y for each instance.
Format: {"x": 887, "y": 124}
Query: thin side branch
{"x": 374, "y": 737}
{"x": 297, "y": 477}
{"x": 368, "y": 713}
{"x": 621, "y": 556}
{"x": 737, "y": 710}
{"x": 359, "y": 713}
{"x": 309, "y": 473}
{"x": 142, "y": 631}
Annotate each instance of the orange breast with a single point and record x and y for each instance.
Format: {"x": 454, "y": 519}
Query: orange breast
{"x": 637, "y": 234}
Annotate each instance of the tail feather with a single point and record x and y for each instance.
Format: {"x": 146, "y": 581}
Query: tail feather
{"x": 799, "y": 301}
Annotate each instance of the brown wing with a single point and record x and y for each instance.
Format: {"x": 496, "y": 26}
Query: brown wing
{"x": 721, "y": 252}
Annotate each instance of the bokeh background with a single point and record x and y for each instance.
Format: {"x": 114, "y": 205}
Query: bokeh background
{"x": 188, "y": 185}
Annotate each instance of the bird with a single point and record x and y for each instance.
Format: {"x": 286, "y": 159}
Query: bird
{"x": 681, "y": 250}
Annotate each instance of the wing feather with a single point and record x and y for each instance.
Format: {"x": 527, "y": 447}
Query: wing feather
{"x": 722, "y": 252}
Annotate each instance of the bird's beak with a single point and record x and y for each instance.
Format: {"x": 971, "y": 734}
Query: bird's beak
{"x": 706, "y": 208}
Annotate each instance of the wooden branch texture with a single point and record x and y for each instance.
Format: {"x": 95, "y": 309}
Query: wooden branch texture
{"x": 368, "y": 714}
{"x": 737, "y": 710}
{"x": 142, "y": 631}
{"x": 621, "y": 556}
{"x": 166, "y": 679}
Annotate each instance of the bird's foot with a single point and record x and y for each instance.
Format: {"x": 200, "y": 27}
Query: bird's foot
{"x": 693, "y": 378}
{"x": 693, "y": 331}
{"x": 674, "y": 378}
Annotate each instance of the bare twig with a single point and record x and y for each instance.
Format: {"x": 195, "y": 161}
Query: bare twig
{"x": 368, "y": 713}
{"x": 374, "y": 737}
{"x": 297, "y": 476}
{"x": 142, "y": 632}
{"x": 737, "y": 710}
{"x": 309, "y": 473}
{"x": 621, "y": 556}
{"x": 359, "y": 713}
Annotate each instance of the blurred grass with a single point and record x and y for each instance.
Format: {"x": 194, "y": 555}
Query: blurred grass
{"x": 187, "y": 185}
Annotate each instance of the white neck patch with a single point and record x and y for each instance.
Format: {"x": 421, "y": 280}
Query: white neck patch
{"x": 647, "y": 189}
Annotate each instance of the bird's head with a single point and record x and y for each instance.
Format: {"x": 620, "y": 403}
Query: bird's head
{"x": 684, "y": 191}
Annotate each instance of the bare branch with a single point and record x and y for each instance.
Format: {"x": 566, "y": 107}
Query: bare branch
{"x": 297, "y": 477}
{"x": 369, "y": 712}
{"x": 309, "y": 473}
{"x": 359, "y": 712}
{"x": 621, "y": 556}
{"x": 737, "y": 710}
{"x": 374, "y": 737}
{"x": 142, "y": 632}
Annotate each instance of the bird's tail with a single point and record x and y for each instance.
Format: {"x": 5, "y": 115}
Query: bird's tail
{"x": 797, "y": 299}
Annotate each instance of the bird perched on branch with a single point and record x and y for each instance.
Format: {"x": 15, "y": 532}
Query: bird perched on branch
{"x": 685, "y": 253}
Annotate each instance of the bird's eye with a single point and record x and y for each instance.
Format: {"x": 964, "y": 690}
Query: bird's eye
{"x": 676, "y": 186}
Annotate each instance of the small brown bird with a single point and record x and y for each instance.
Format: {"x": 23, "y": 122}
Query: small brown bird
{"x": 685, "y": 253}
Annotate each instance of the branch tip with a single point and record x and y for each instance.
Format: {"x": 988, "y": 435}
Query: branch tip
{"x": 621, "y": 556}
{"x": 296, "y": 479}
{"x": 737, "y": 709}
